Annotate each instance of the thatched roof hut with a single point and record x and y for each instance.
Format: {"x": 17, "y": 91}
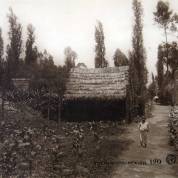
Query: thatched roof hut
{"x": 95, "y": 89}
{"x": 102, "y": 83}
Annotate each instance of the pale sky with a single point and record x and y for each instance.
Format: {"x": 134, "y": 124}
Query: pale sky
{"x": 62, "y": 23}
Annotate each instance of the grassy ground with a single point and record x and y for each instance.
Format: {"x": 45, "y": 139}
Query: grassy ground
{"x": 31, "y": 146}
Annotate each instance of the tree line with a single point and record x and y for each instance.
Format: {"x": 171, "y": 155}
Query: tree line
{"x": 135, "y": 61}
{"x": 29, "y": 62}
{"x": 167, "y": 57}
{"x": 45, "y": 75}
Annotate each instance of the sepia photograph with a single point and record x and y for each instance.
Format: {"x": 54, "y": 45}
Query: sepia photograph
{"x": 89, "y": 89}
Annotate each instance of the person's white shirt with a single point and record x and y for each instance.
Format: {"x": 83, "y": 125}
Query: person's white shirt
{"x": 144, "y": 126}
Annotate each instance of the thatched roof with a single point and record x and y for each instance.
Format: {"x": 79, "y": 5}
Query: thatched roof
{"x": 21, "y": 83}
{"x": 101, "y": 83}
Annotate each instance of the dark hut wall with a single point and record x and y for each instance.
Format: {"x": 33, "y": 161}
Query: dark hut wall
{"x": 93, "y": 109}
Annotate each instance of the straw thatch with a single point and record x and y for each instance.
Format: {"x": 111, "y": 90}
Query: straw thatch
{"x": 21, "y": 83}
{"x": 100, "y": 83}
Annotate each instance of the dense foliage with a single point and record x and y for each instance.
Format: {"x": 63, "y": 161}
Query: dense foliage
{"x": 70, "y": 57}
{"x": 1, "y": 57}
{"x": 165, "y": 19}
{"x": 167, "y": 52}
{"x": 138, "y": 71}
{"x": 46, "y": 78}
{"x": 120, "y": 58}
{"x": 100, "y": 60}
{"x": 31, "y": 51}
{"x": 14, "y": 48}
{"x": 166, "y": 68}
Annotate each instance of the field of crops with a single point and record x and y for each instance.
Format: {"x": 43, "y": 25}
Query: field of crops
{"x": 31, "y": 146}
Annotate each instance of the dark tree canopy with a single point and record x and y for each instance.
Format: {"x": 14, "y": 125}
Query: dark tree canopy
{"x": 167, "y": 52}
{"x": 120, "y": 58}
{"x": 1, "y": 46}
{"x": 138, "y": 57}
{"x": 167, "y": 20}
{"x": 163, "y": 14}
{"x": 166, "y": 77}
{"x": 31, "y": 52}
{"x": 138, "y": 47}
{"x": 81, "y": 65}
{"x": 100, "y": 60}
{"x": 14, "y": 48}
{"x": 170, "y": 50}
{"x": 160, "y": 69}
{"x": 173, "y": 57}
{"x": 152, "y": 87}
{"x": 1, "y": 57}
{"x": 70, "y": 57}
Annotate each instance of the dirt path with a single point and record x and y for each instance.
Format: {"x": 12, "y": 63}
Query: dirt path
{"x": 158, "y": 148}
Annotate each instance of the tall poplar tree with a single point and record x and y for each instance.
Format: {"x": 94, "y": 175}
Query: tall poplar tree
{"x": 139, "y": 57}
{"x": 100, "y": 60}
{"x": 14, "y": 48}
{"x": 165, "y": 18}
{"x": 160, "y": 68}
{"x": 1, "y": 57}
{"x": 31, "y": 52}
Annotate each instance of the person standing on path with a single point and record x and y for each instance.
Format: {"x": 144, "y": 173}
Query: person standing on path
{"x": 143, "y": 129}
